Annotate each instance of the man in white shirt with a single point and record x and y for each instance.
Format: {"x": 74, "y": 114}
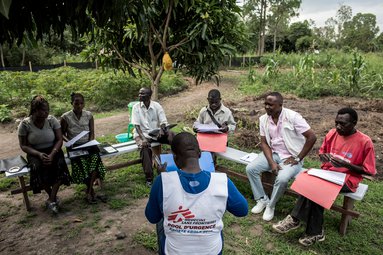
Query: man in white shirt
{"x": 148, "y": 116}
{"x": 216, "y": 113}
{"x": 286, "y": 139}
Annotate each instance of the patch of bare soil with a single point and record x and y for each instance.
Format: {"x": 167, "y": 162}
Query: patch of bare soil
{"x": 320, "y": 114}
{"x": 40, "y": 233}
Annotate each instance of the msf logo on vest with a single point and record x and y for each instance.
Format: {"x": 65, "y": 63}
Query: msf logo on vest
{"x": 180, "y": 215}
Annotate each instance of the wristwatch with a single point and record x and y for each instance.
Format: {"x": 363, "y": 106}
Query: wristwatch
{"x": 297, "y": 159}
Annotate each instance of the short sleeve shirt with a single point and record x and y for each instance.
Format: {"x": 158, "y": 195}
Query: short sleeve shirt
{"x": 76, "y": 126}
{"x": 356, "y": 149}
{"x": 148, "y": 118}
{"x": 275, "y": 130}
{"x": 39, "y": 138}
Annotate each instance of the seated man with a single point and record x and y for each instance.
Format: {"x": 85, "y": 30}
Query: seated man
{"x": 346, "y": 150}
{"x": 188, "y": 204}
{"x": 286, "y": 138}
{"x": 147, "y": 116}
{"x": 216, "y": 113}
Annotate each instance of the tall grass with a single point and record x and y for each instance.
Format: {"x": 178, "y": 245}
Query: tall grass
{"x": 316, "y": 75}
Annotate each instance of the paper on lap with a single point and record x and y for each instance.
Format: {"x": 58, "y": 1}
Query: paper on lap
{"x": 76, "y": 138}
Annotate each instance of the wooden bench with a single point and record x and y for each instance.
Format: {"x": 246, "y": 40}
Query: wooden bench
{"x": 121, "y": 148}
{"x": 268, "y": 181}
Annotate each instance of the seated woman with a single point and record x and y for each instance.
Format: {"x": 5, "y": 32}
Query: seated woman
{"x": 40, "y": 137}
{"x": 87, "y": 168}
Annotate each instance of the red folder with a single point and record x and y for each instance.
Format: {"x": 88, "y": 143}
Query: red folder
{"x": 316, "y": 189}
{"x": 212, "y": 142}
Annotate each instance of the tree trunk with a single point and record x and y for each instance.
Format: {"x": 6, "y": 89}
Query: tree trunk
{"x": 23, "y": 59}
{"x": 263, "y": 27}
{"x": 156, "y": 82}
{"x": 2, "y": 55}
{"x": 275, "y": 40}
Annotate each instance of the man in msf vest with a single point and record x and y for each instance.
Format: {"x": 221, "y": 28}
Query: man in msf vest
{"x": 188, "y": 204}
{"x": 286, "y": 138}
{"x": 345, "y": 150}
{"x": 148, "y": 116}
{"x": 216, "y": 113}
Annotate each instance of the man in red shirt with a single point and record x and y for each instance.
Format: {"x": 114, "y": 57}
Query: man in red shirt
{"x": 346, "y": 150}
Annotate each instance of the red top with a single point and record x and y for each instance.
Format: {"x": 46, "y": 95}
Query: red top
{"x": 356, "y": 149}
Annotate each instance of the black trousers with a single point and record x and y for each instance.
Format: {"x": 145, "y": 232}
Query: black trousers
{"x": 311, "y": 213}
{"x": 146, "y": 155}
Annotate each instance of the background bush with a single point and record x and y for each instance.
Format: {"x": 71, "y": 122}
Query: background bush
{"x": 103, "y": 90}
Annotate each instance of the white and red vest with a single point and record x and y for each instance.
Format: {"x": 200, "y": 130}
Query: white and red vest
{"x": 193, "y": 222}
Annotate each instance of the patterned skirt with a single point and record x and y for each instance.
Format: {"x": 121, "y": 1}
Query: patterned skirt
{"x": 83, "y": 166}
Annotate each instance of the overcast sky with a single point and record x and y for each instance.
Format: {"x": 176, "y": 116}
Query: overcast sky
{"x": 321, "y": 10}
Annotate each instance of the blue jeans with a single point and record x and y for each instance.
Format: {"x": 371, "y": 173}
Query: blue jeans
{"x": 260, "y": 165}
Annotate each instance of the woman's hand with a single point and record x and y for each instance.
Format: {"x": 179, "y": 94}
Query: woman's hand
{"x": 47, "y": 159}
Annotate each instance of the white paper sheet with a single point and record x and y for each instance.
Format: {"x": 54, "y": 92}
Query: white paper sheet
{"x": 88, "y": 144}
{"x": 249, "y": 157}
{"x": 206, "y": 128}
{"x": 75, "y": 139}
{"x": 331, "y": 176}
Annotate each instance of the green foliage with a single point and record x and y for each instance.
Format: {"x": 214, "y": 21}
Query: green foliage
{"x": 323, "y": 74}
{"x": 5, "y": 113}
{"x": 148, "y": 240}
{"x": 103, "y": 90}
{"x": 196, "y": 34}
{"x": 357, "y": 66}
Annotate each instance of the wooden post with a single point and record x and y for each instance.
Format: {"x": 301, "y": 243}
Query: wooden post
{"x": 348, "y": 204}
{"x": 64, "y": 62}
{"x": 96, "y": 63}
{"x": 2, "y": 55}
{"x": 30, "y": 66}
{"x": 25, "y": 194}
{"x": 230, "y": 61}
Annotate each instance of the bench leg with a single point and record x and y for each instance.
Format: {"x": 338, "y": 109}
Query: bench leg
{"x": 348, "y": 204}
{"x": 25, "y": 193}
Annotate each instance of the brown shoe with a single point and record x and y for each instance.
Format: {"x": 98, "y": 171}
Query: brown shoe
{"x": 286, "y": 225}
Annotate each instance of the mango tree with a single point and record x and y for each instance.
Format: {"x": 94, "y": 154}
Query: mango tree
{"x": 197, "y": 34}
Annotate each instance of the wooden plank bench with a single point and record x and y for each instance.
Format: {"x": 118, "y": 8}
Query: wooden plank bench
{"x": 121, "y": 148}
{"x": 349, "y": 199}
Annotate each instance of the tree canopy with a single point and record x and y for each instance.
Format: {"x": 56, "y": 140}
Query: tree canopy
{"x": 197, "y": 34}
{"x": 129, "y": 34}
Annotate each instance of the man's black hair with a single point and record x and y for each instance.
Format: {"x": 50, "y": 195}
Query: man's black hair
{"x": 277, "y": 95}
{"x": 148, "y": 89}
{"x": 214, "y": 93}
{"x": 184, "y": 143}
{"x": 352, "y": 112}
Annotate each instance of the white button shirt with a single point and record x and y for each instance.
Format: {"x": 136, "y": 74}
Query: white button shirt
{"x": 148, "y": 118}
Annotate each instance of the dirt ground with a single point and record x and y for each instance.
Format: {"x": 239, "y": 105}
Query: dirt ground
{"x": 48, "y": 238}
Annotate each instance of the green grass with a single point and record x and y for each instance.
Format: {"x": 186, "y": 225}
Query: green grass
{"x": 100, "y": 115}
{"x": 148, "y": 240}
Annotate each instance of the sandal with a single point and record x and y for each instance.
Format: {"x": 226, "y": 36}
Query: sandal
{"x": 52, "y": 207}
{"x": 102, "y": 198}
{"x": 90, "y": 199}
